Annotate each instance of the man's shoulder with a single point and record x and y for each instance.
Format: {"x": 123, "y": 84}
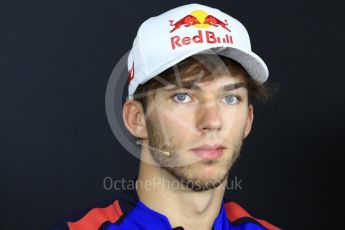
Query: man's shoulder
{"x": 238, "y": 216}
{"x": 100, "y": 215}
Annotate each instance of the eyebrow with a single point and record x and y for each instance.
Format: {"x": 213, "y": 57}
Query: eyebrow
{"x": 192, "y": 86}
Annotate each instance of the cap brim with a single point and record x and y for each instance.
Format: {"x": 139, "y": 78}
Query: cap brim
{"x": 251, "y": 62}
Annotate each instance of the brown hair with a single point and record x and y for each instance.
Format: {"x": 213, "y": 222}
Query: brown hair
{"x": 192, "y": 66}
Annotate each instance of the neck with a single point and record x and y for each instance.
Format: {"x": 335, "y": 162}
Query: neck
{"x": 182, "y": 206}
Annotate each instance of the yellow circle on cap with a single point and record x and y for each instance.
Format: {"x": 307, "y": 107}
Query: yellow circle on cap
{"x": 200, "y": 15}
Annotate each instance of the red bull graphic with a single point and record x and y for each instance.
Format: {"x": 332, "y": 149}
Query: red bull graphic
{"x": 213, "y": 21}
{"x": 200, "y": 19}
{"x": 185, "y": 21}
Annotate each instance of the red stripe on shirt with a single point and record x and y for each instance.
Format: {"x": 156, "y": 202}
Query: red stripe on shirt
{"x": 234, "y": 212}
{"x": 97, "y": 216}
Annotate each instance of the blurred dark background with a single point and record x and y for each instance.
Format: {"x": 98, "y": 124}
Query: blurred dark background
{"x": 56, "y": 146}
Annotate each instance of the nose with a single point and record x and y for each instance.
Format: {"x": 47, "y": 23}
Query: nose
{"x": 209, "y": 117}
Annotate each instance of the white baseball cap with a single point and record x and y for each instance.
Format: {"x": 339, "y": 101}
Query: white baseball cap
{"x": 171, "y": 37}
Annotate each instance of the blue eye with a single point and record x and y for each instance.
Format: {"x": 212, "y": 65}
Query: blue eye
{"x": 231, "y": 99}
{"x": 181, "y": 97}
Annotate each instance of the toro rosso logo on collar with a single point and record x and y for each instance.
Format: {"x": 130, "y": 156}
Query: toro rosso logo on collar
{"x": 199, "y": 19}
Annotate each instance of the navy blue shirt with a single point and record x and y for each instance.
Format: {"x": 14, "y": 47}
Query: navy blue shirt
{"x": 142, "y": 217}
{"x": 126, "y": 211}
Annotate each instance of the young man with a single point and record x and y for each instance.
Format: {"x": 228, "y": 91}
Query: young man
{"x": 192, "y": 78}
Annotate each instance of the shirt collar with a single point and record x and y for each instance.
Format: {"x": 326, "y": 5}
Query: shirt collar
{"x": 221, "y": 221}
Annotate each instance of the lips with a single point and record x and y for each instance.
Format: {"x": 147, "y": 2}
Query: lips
{"x": 209, "y": 152}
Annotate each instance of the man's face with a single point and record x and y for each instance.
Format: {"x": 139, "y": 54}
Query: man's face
{"x": 187, "y": 122}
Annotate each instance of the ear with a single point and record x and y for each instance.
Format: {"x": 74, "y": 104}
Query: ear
{"x": 134, "y": 118}
{"x": 249, "y": 121}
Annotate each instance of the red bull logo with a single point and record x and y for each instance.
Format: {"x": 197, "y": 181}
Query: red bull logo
{"x": 199, "y": 19}
{"x": 200, "y": 37}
